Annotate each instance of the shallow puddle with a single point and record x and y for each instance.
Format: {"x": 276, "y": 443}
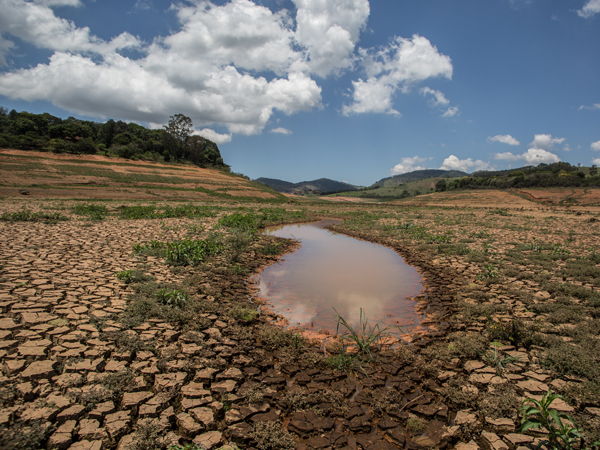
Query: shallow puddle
{"x": 330, "y": 271}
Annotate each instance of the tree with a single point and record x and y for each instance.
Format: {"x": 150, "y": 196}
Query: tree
{"x": 440, "y": 186}
{"x": 593, "y": 170}
{"x": 179, "y": 127}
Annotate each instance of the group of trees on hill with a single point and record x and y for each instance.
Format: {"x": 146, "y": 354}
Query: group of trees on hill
{"x": 45, "y": 132}
{"x": 542, "y": 175}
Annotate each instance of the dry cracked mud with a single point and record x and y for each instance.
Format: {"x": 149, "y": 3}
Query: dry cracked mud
{"x": 80, "y": 372}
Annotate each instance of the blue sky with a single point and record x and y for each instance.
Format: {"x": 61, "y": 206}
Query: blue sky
{"x": 303, "y": 89}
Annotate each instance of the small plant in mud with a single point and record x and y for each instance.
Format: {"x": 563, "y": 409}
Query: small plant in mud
{"x": 563, "y": 432}
{"x": 489, "y": 271}
{"x": 271, "y": 248}
{"x": 415, "y": 424}
{"x": 243, "y": 313}
{"x": 237, "y": 244}
{"x": 270, "y": 436}
{"x": 365, "y": 336}
{"x": 172, "y": 297}
{"x": 515, "y": 332}
{"x": 497, "y": 360}
{"x": 133, "y": 276}
{"x": 342, "y": 361}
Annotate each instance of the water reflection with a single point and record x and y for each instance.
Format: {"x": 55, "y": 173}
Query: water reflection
{"x": 335, "y": 271}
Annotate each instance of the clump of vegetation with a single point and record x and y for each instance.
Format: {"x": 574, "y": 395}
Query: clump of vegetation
{"x": 270, "y": 436}
{"x": 415, "y": 425}
{"x": 563, "y": 432}
{"x": 172, "y": 297}
{"x": 365, "y": 336}
{"x": 514, "y": 332}
{"x": 26, "y": 215}
{"x": 243, "y": 313}
{"x": 133, "y": 276}
{"x": 182, "y": 253}
{"x": 250, "y": 222}
{"x": 500, "y": 402}
{"x": 92, "y": 211}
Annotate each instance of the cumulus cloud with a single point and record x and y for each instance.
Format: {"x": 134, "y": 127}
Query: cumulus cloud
{"x": 545, "y": 141}
{"x": 532, "y": 156}
{"x": 231, "y": 65}
{"x": 281, "y": 130}
{"x": 212, "y": 135}
{"x": 408, "y": 165}
{"x": 503, "y": 138}
{"x": 592, "y": 107}
{"x": 35, "y": 23}
{"x": 595, "y": 146}
{"x": 591, "y": 8}
{"x": 596, "y": 161}
{"x": 452, "y": 162}
{"x": 396, "y": 67}
{"x": 329, "y": 30}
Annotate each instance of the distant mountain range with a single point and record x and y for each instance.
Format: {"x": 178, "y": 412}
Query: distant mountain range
{"x": 320, "y": 186}
{"x": 417, "y": 175}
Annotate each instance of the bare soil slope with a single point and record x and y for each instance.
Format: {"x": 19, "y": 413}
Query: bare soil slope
{"x": 47, "y": 175}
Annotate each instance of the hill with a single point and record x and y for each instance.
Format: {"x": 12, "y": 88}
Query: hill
{"x": 39, "y": 175}
{"x": 320, "y": 186}
{"x": 417, "y": 175}
{"x": 45, "y": 132}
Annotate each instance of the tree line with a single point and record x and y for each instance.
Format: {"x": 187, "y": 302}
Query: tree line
{"x": 45, "y": 132}
{"x": 543, "y": 175}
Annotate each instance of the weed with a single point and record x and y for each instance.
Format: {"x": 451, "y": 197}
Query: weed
{"x": 237, "y": 244}
{"x": 271, "y": 248}
{"x": 243, "y": 313}
{"x": 496, "y": 360}
{"x": 489, "y": 271}
{"x": 415, "y": 425}
{"x": 147, "y": 436}
{"x": 365, "y": 335}
{"x": 342, "y": 361}
{"x": 515, "y": 332}
{"x": 500, "y": 402}
{"x": 563, "y": 433}
{"x": 270, "y": 436}
{"x": 172, "y": 297}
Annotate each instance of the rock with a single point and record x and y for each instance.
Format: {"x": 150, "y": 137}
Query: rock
{"x": 72, "y": 413}
{"x": 501, "y": 426}
{"x": 60, "y": 441}
{"x": 102, "y": 410}
{"x": 465, "y": 417}
{"x": 86, "y": 445}
{"x": 187, "y": 425}
{"x": 39, "y": 369}
{"x": 492, "y": 441}
{"x": 471, "y": 445}
{"x": 223, "y": 386}
{"x": 203, "y": 415}
{"x": 231, "y": 374}
{"x": 470, "y": 366}
{"x": 533, "y": 386}
{"x": 90, "y": 429}
{"x": 134, "y": 399}
{"x": 208, "y": 440}
{"x": 515, "y": 440}
{"x": 481, "y": 378}
{"x": 117, "y": 424}
{"x": 194, "y": 390}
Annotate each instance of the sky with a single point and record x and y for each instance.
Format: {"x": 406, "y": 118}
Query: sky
{"x": 350, "y": 90}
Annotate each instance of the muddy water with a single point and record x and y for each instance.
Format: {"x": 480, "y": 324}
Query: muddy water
{"x": 330, "y": 271}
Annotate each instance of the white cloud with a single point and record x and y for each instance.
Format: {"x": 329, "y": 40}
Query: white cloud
{"x": 396, "y": 67}
{"x": 532, "y": 156}
{"x": 589, "y": 9}
{"x": 210, "y": 69}
{"x": 595, "y": 146}
{"x": 596, "y": 161}
{"x": 438, "y": 98}
{"x": 35, "y": 23}
{"x": 454, "y": 163}
{"x": 281, "y": 130}
{"x": 212, "y": 135}
{"x": 329, "y": 30}
{"x": 592, "y": 107}
{"x": 408, "y": 165}
{"x": 505, "y": 139}
{"x": 451, "y": 112}
{"x": 545, "y": 141}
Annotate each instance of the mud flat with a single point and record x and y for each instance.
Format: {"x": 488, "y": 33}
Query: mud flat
{"x": 90, "y": 360}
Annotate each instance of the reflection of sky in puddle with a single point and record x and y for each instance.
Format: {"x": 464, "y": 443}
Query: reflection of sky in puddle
{"x": 335, "y": 271}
